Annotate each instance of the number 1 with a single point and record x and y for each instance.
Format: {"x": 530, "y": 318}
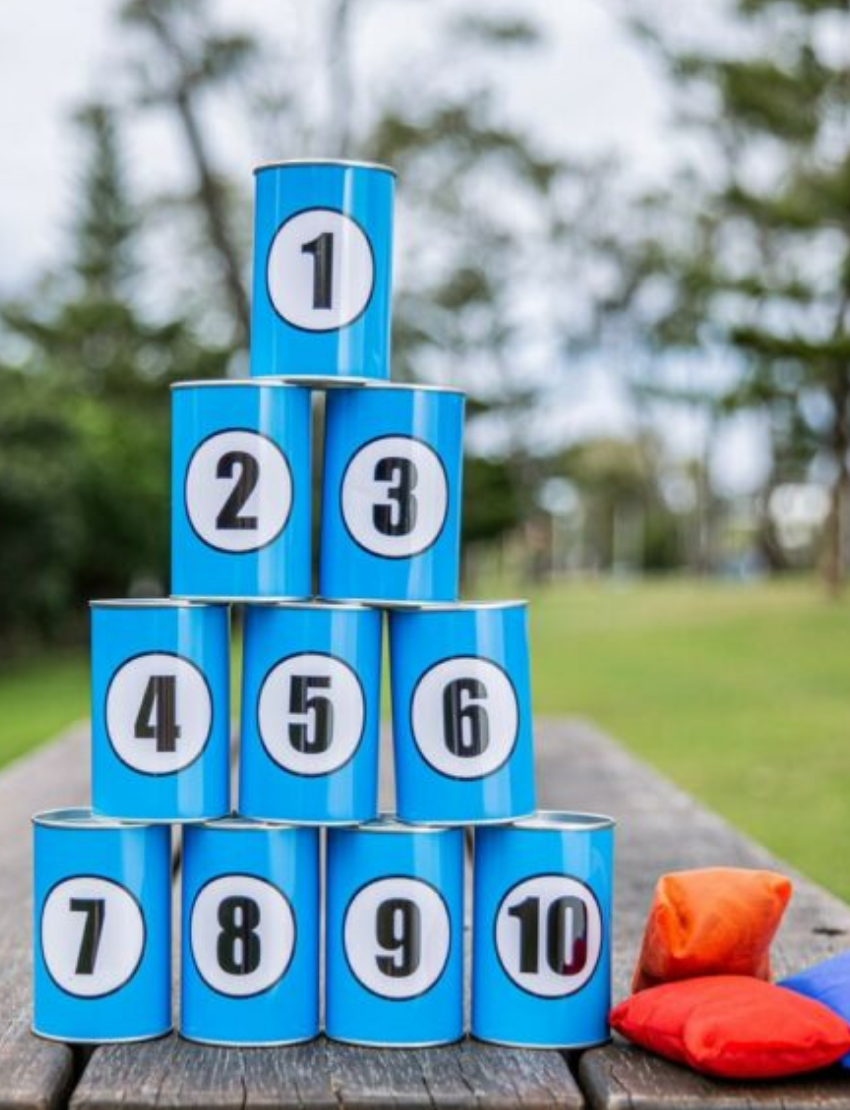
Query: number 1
{"x": 322, "y": 250}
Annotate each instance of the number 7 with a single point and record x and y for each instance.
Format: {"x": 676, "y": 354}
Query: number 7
{"x": 95, "y": 911}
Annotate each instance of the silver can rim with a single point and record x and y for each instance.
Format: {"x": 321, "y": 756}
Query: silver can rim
{"x": 342, "y": 163}
{"x": 558, "y": 820}
{"x": 371, "y": 385}
{"x": 321, "y": 605}
{"x": 464, "y": 606}
{"x": 151, "y": 603}
{"x": 84, "y": 817}
{"x": 390, "y": 823}
{"x": 243, "y": 383}
{"x": 240, "y": 822}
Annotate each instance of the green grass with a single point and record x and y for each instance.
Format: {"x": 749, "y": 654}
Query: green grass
{"x": 741, "y": 694}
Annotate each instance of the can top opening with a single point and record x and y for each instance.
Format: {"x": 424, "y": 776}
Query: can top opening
{"x": 343, "y": 163}
{"x": 554, "y": 820}
{"x": 244, "y": 383}
{"x": 147, "y": 603}
{"x": 411, "y": 387}
{"x": 389, "y": 823}
{"x": 320, "y": 605}
{"x": 465, "y": 606}
{"x": 82, "y": 817}
{"x": 235, "y": 822}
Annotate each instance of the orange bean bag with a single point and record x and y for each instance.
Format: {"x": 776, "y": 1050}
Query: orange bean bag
{"x": 714, "y": 921}
{"x": 734, "y": 1026}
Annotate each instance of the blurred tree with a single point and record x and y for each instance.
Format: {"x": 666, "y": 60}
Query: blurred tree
{"x": 750, "y": 252}
{"x": 84, "y": 415}
{"x": 182, "y": 60}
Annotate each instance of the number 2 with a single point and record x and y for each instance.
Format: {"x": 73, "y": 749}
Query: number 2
{"x": 95, "y": 911}
{"x": 230, "y": 518}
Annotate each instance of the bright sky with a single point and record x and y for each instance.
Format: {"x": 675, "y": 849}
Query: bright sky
{"x": 588, "y": 89}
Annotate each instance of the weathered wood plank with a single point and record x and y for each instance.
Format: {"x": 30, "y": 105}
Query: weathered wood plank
{"x": 33, "y": 1072}
{"x": 660, "y": 828}
{"x": 172, "y": 1074}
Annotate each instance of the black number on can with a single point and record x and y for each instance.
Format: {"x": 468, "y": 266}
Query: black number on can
{"x": 566, "y": 935}
{"x": 230, "y": 518}
{"x": 95, "y": 911}
{"x": 466, "y": 723}
{"x": 238, "y": 944}
{"x": 398, "y": 927}
{"x": 157, "y": 716}
{"x": 398, "y": 517}
{"x": 311, "y": 741}
{"x": 322, "y": 250}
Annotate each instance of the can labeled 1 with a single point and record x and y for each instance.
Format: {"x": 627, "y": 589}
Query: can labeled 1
{"x": 322, "y": 271}
{"x": 394, "y": 935}
{"x": 250, "y": 933}
{"x": 541, "y": 974}
{"x": 462, "y": 725}
{"x": 240, "y": 490}
{"x": 101, "y": 928}
{"x": 310, "y": 713}
{"x": 392, "y": 494}
{"x": 160, "y": 709}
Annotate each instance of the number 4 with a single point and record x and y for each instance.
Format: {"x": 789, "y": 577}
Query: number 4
{"x": 157, "y": 717}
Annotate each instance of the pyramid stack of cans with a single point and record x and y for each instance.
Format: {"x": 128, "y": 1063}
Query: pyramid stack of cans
{"x": 254, "y": 919}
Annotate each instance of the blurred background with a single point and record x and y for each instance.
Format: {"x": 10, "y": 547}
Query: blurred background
{"x": 623, "y": 226}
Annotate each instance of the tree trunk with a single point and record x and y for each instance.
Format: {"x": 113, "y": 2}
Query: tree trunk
{"x": 834, "y": 563}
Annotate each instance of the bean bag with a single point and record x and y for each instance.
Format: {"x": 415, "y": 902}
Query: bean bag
{"x": 827, "y": 982}
{"x": 714, "y": 921}
{"x": 734, "y": 1027}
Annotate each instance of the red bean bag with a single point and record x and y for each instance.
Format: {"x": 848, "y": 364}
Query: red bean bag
{"x": 734, "y": 1026}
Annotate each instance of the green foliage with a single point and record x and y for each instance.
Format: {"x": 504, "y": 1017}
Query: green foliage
{"x": 84, "y": 423}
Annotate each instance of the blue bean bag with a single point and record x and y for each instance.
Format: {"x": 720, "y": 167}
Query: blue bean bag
{"x": 827, "y": 982}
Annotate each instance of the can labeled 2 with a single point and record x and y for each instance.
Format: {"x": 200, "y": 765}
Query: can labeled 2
{"x": 322, "y": 271}
{"x": 394, "y": 935}
{"x": 541, "y": 973}
{"x": 250, "y": 933}
{"x": 462, "y": 725}
{"x": 392, "y": 494}
{"x": 240, "y": 490}
{"x": 310, "y": 713}
{"x": 160, "y": 709}
{"x": 101, "y": 928}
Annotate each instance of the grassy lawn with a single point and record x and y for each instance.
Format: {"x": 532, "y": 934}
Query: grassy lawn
{"x": 739, "y": 693}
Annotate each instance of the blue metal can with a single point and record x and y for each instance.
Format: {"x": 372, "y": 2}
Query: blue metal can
{"x": 101, "y": 928}
{"x": 240, "y": 490}
{"x": 160, "y": 710}
{"x": 394, "y": 935}
{"x": 250, "y": 933}
{"x": 322, "y": 271}
{"x": 392, "y": 494}
{"x": 311, "y": 693}
{"x": 462, "y": 725}
{"x": 541, "y": 974}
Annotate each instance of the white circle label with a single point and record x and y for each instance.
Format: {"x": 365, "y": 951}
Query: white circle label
{"x": 242, "y": 935}
{"x": 238, "y": 491}
{"x": 320, "y": 270}
{"x": 395, "y": 497}
{"x": 397, "y": 936}
{"x": 311, "y": 713}
{"x": 465, "y": 717}
{"x": 549, "y": 935}
{"x": 158, "y": 713}
{"x": 92, "y": 936}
